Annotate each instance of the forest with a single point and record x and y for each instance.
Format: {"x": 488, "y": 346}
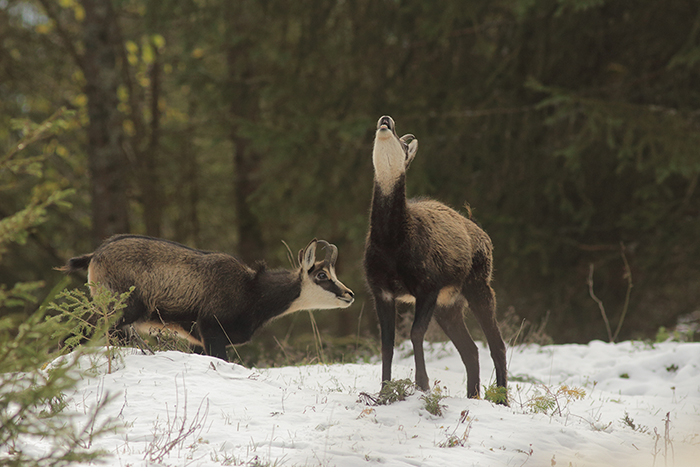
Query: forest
{"x": 569, "y": 129}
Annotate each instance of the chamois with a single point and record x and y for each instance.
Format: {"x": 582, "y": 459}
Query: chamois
{"x": 422, "y": 251}
{"x": 212, "y": 299}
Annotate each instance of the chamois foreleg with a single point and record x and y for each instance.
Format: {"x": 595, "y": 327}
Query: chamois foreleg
{"x": 214, "y": 338}
{"x": 386, "y": 314}
{"x": 425, "y": 306}
{"x": 482, "y": 302}
{"x": 451, "y": 321}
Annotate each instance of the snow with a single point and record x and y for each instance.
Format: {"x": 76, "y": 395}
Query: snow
{"x": 181, "y": 409}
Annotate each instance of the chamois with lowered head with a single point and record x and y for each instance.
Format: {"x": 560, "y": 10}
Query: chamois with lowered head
{"x": 422, "y": 251}
{"x": 211, "y": 299}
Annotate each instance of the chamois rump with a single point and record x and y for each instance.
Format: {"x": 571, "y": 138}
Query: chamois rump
{"x": 422, "y": 251}
{"x": 212, "y": 299}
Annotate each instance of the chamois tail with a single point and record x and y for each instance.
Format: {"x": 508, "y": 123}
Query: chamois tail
{"x": 79, "y": 263}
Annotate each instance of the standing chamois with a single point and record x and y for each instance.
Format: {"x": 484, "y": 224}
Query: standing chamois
{"x": 421, "y": 250}
{"x": 212, "y": 299}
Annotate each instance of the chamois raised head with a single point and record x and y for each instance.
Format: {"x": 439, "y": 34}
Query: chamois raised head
{"x": 211, "y": 298}
{"x": 423, "y": 251}
{"x": 393, "y": 155}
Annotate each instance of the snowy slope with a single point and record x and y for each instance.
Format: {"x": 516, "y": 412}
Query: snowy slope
{"x": 179, "y": 409}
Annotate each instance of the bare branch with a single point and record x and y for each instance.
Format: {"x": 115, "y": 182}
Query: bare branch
{"x": 599, "y": 302}
{"x": 628, "y": 276}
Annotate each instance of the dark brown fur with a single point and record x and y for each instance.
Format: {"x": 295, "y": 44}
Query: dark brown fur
{"x": 213, "y": 296}
{"x": 426, "y": 250}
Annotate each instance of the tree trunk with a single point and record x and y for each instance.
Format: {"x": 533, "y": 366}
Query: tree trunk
{"x": 150, "y": 183}
{"x": 243, "y": 101}
{"x": 187, "y": 226}
{"x": 250, "y": 242}
{"x": 106, "y": 158}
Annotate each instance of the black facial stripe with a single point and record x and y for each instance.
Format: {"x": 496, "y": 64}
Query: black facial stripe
{"x": 331, "y": 286}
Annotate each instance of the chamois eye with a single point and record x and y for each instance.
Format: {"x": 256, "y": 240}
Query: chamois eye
{"x": 322, "y": 276}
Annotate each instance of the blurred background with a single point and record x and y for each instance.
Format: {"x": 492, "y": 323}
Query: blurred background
{"x": 571, "y": 128}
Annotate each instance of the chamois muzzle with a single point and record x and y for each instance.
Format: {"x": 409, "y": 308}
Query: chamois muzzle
{"x": 348, "y": 297}
{"x": 386, "y": 123}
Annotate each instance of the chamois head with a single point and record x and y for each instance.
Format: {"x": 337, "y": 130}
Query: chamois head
{"x": 320, "y": 287}
{"x": 391, "y": 155}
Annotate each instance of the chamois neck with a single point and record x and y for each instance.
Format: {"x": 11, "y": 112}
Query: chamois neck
{"x": 277, "y": 291}
{"x": 389, "y": 214}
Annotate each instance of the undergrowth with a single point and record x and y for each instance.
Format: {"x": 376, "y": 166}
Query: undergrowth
{"x": 550, "y": 400}
{"x": 400, "y": 389}
{"x": 396, "y": 390}
{"x": 90, "y": 320}
{"x": 392, "y": 391}
{"x": 496, "y": 394}
{"x": 432, "y": 401}
{"x": 453, "y": 440}
{"x": 34, "y": 382}
{"x": 267, "y": 350}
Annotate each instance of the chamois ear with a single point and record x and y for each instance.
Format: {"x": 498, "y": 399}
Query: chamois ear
{"x": 411, "y": 144}
{"x": 307, "y": 256}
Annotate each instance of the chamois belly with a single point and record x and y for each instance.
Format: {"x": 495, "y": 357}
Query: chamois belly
{"x": 155, "y": 327}
{"x": 447, "y": 296}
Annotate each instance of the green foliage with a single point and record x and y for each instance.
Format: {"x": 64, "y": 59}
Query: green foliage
{"x": 90, "y": 320}
{"x": 392, "y": 391}
{"x": 553, "y": 401}
{"x": 579, "y": 5}
{"x": 568, "y": 125}
{"x": 32, "y": 406}
{"x": 496, "y": 394}
{"x": 20, "y": 293}
{"x": 33, "y": 387}
{"x": 662, "y": 334}
{"x": 675, "y": 335}
{"x": 395, "y": 390}
{"x": 523, "y": 378}
{"x": 17, "y": 227}
{"x": 542, "y": 403}
{"x": 432, "y": 400}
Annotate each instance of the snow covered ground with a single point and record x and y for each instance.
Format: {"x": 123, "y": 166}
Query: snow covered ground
{"x": 641, "y": 408}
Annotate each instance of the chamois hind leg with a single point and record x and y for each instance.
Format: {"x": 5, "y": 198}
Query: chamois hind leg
{"x": 133, "y": 310}
{"x": 451, "y": 321}
{"x": 424, "y": 312}
{"x": 482, "y": 302}
{"x": 386, "y": 314}
{"x": 123, "y": 330}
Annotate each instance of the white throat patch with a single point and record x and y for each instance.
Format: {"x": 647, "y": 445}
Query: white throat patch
{"x": 389, "y": 159}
